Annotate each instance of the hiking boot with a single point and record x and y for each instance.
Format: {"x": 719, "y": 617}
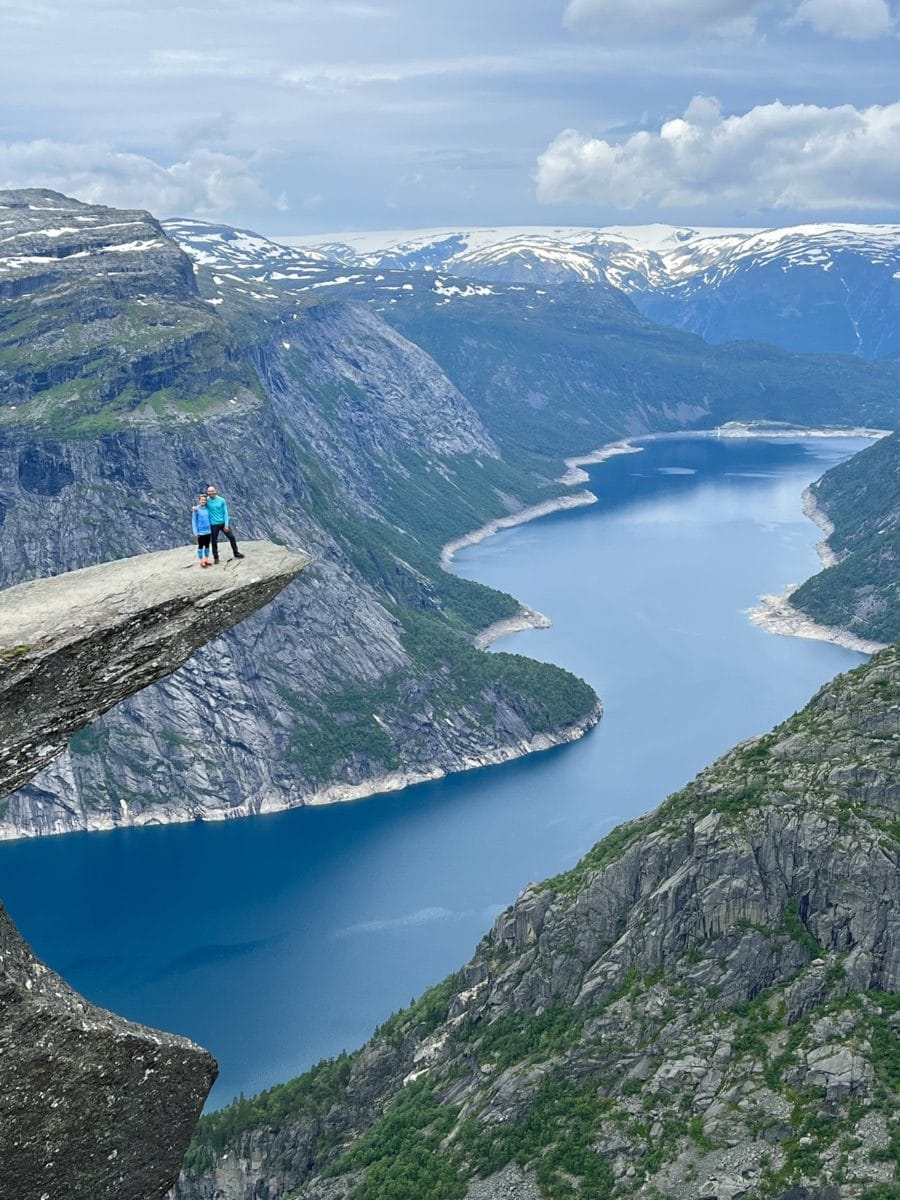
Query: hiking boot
{"x": 238, "y": 555}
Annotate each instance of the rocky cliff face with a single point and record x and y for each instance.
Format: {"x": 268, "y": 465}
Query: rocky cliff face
{"x": 101, "y": 322}
{"x": 704, "y": 1007}
{"x": 349, "y": 441}
{"x": 92, "y": 1105}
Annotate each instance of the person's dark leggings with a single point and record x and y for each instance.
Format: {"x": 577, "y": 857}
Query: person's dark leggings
{"x": 216, "y": 530}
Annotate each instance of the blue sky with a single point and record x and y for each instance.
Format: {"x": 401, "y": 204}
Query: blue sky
{"x": 296, "y": 116}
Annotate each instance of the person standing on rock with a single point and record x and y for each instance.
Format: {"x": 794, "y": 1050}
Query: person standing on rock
{"x": 218, "y": 515}
{"x": 202, "y": 527}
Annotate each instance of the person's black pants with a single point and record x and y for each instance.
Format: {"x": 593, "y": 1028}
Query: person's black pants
{"x": 216, "y": 530}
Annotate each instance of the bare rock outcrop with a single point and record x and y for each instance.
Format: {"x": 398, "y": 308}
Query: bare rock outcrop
{"x": 73, "y": 646}
{"x": 91, "y": 1105}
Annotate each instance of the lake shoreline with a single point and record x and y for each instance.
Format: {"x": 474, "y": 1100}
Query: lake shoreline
{"x": 335, "y": 793}
{"x": 559, "y": 503}
{"x": 396, "y": 781}
{"x": 525, "y": 618}
{"x": 775, "y": 614}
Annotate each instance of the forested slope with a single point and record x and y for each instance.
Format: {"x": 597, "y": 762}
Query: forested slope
{"x": 861, "y": 592}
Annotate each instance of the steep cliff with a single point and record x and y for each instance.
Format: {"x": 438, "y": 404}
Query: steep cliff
{"x": 92, "y": 1105}
{"x": 101, "y": 323}
{"x": 704, "y": 1007}
{"x": 347, "y": 440}
{"x": 859, "y": 501}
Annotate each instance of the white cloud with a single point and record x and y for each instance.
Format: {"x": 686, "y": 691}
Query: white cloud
{"x": 855, "y": 19}
{"x": 775, "y": 156}
{"x": 206, "y": 183}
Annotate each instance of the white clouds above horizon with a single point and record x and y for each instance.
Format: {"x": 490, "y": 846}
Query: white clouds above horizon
{"x": 205, "y": 183}
{"x": 374, "y": 112}
{"x": 853, "y": 19}
{"x": 800, "y": 157}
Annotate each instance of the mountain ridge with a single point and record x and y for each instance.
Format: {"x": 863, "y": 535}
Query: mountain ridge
{"x": 817, "y": 287}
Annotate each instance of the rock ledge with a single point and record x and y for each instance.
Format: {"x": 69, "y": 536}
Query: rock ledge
{"x": 75, "y": 645}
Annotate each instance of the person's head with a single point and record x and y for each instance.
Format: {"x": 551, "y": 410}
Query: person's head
{"x": 202, "y": 499}
{"x": 211, "y": 492}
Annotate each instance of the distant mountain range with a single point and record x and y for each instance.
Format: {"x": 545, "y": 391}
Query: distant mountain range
{"x": 553, "y": 368}
{"x": 821, "y": 288}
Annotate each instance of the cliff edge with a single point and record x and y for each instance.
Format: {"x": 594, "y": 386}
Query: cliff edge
{"x": 92, "y": 1105}
{"x": 75, "y": 645}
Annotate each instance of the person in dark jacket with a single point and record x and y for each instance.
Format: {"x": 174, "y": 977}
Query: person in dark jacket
{"x": 202, "y": 527}
{"x": 218, "y": 515}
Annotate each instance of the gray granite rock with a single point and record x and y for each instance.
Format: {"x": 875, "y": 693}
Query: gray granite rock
{"x": 92, "y": 1106}
{"x": 74, "y": 645}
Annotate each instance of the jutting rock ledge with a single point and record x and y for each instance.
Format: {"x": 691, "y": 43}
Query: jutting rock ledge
{"x": 92, "y": 1105}
{"x": 75, "y": 645}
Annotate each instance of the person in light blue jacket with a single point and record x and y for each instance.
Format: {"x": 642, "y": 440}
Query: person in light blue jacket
{"x": 202, "y": 527}
{"x": 218, "y": 515}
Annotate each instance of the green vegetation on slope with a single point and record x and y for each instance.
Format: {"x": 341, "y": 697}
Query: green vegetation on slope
{"x": 751, "y": 776}
{"x": 579, "y": 367}
{"x": 861, "y": 592}
{"x": 731, "y": 1020}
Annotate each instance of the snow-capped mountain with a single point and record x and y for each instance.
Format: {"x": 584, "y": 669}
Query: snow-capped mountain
{"x": 225, "y": 248}
{"x": 814, "y": 288}
{"x": 823, "y": 287}
{"x": 238, "y": 262}
{"x": 629, "y": 257}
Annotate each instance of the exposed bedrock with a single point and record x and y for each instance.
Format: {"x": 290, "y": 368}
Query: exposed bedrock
{"x": 94, "y": 1107}
{"x": 73, "y": 646}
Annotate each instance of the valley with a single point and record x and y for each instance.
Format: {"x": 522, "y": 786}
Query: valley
{"x": 306, "y": 929}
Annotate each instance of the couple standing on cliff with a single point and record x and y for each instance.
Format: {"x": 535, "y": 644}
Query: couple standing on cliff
{"x": 209, "y": 518}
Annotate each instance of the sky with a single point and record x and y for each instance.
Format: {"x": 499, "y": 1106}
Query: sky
{"x": 308, "y": 116}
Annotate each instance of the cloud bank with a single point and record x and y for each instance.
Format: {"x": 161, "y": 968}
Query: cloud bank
{"x": 206, "y": 183}
{"x": 776, "y": 156}
{"x": 855, "y": 19}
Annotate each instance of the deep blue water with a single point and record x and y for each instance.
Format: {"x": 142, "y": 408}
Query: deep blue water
{"x": 278, "y": 940}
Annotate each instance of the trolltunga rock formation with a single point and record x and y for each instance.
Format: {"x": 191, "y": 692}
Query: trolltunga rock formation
{"x": 73, "y": 646}
{"x": 93, "y": 1106}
